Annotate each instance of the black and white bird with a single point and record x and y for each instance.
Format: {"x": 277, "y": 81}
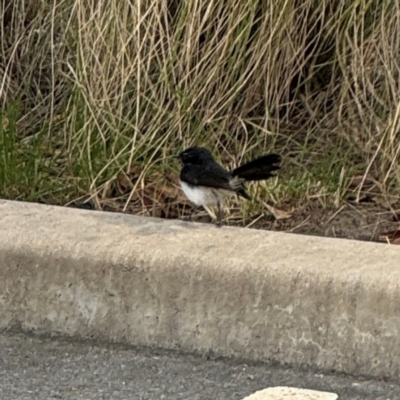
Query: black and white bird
{"x": 206, "y": 183}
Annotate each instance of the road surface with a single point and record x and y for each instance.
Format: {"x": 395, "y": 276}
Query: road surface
{"x": 45, "y": 369}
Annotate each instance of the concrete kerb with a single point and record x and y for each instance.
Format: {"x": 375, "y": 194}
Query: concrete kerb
{"x": 258, "y": 295}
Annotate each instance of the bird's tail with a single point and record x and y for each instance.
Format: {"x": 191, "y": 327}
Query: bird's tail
{"x": 259, "y": 169}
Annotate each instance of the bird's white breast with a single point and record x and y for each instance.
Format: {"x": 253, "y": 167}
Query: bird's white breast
{"x": 202, "y": 195}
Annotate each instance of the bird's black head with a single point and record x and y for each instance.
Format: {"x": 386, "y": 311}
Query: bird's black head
{"x": 195, "y": 155}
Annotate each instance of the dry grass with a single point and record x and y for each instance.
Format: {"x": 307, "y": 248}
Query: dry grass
{"x": 90, "y": 90}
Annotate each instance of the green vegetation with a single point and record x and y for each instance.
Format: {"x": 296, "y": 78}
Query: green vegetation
{"x": 95, "y": 92}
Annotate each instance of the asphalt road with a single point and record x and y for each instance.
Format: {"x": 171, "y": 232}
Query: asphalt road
{"x": 46, "y": 369}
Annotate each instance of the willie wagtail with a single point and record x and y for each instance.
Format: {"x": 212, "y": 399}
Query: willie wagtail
{"x": 206, "y": 183}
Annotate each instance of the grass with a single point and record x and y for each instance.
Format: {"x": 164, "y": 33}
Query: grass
{"x": 97, "y": 97}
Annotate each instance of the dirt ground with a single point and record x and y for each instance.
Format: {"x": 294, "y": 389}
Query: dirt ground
{"x": 366, "y": 222}
{"x": 374, "y": 217}
{"x": 362, "y": 222}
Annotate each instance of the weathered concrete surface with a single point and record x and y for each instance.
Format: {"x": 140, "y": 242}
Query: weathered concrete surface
{"x": 285, "y": 393}
{"x": 309, "y": 301}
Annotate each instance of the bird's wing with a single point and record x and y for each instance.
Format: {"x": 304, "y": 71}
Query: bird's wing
{"x": 211, "y": 176}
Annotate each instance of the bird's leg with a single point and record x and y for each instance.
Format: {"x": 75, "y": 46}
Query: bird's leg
{"x": 192, "y": 210}
{"x": 219, "y": 221}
